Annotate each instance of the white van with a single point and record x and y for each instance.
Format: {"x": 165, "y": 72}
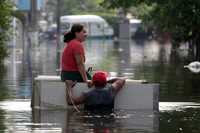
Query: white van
{"x": 95, "y": 25}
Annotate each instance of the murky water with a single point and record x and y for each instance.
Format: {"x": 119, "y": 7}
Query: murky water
{"x": 141, "y": 59}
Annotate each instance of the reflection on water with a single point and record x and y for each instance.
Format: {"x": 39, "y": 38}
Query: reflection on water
{"x": 186, "y": 121}
{"x": 2, "y": 121}
{"x": 121, "y": 121}
{"x": 177, "y": 106}
{"x": 143, "y": 59}
{"x": 18, "y": 118}
{"x": 3, "y": 87}
{"x": 16, "y": 105}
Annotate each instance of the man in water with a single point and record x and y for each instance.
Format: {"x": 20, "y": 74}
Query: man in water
{"x": 101, "y": 96}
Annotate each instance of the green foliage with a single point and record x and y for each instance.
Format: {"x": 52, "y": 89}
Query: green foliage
{"x": 179, "y": 18}
{"x": 2, "y": 120}
{"x": 81, "y": 6}
{"x": 5, "y": 17}
{"x": 142, "y": 11}
{"x": 125, "y": 4}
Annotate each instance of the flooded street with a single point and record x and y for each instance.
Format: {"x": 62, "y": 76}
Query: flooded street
{"x": 179, "y": 107}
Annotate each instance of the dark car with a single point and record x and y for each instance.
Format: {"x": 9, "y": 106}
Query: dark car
{"x": 51, "y": 32}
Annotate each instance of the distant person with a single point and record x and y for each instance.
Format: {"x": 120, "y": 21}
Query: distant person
{"x": 101, "y": 96}
{"x": 73, "y": 57}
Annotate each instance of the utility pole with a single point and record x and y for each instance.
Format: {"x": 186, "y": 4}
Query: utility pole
{"x": 58, "y": 48}
{"x": 33, "y": 14}
{"x": 33, "y": 23}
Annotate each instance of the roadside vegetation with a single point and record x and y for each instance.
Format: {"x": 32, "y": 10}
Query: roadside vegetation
{"x": 5, "y": 21}
{"x": 178, "y": 19}
{"x": 5, "y": 17}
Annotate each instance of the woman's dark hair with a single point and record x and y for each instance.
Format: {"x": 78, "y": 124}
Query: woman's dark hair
{"x": 71, "y": 35}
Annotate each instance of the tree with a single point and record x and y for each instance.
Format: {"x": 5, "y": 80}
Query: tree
{"x": 124, "y": 4}
{"x": 81, "y": 6}
{"x": 179, "y": 18}
{"x": 181, "y": 21}
{"x": 5, "y": 17}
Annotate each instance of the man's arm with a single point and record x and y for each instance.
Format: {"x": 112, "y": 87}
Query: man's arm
{"x": 117, "y": 83}
{"x": 71, "y": 98}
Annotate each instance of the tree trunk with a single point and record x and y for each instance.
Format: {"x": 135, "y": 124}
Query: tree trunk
{"x": 197, "y": 43}
{"x": 191, "y": 49}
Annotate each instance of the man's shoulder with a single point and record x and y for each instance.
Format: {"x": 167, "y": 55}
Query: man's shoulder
{"x": 107, "y": 87}
{"x": 93, "y": 89}
{"x": 86, "y": 91}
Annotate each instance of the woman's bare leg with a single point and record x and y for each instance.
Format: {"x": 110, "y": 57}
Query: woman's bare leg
{"x": 68, "y": 84}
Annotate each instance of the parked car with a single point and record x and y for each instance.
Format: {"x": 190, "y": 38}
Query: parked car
{"x": 51, "y": 32}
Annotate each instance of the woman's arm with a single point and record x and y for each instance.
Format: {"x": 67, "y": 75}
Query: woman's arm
{"x": 81, "y": 66}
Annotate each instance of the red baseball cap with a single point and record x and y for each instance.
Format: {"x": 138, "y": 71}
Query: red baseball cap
{"x": 100, "y": 78}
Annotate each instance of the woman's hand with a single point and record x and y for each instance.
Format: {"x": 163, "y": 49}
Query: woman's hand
{"x": 89, "y": 83}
